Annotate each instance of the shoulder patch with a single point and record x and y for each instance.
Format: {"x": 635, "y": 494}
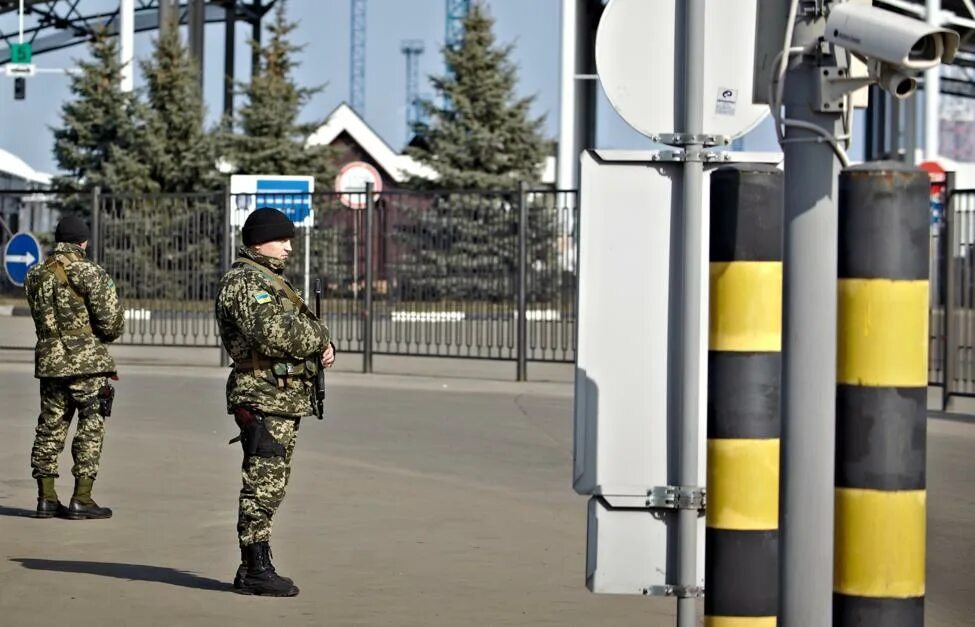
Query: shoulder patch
{"x": 111, "y": 284}
{"x": 262, "y": 297}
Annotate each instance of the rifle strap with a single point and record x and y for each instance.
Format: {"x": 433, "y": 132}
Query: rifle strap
{"x": 280, "y": 284}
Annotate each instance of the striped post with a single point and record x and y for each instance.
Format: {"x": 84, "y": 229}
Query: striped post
{"x": 881, "y": 395}
{"x": 744, "y": 415}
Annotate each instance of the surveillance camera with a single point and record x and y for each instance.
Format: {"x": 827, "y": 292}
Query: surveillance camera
{"x": 894, "y": 39}
{"x": 892, "y": 79}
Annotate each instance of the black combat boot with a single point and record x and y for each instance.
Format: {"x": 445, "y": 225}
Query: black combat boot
{"x": 242, "y": 569}
{"x": 260, "y": 577}
{"x": 82, "y": 506}
{"x": 48, "y": 505}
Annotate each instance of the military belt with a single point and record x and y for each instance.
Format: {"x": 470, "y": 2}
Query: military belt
{"x": 279, "y": 368}
{"x": 82, "y": 331}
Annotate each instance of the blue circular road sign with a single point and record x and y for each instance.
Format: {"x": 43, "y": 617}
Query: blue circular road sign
{"x": 20, "y": 253}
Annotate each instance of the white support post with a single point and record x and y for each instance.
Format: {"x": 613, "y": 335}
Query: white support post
{"x": 567, "y": 157}
{"x": 127, "y": 43}
{"x": 932, "y": 93}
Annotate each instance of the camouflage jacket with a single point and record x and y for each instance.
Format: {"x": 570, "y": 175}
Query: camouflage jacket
{"x": 274, "y": 340}
{"x": 76, "y": 312}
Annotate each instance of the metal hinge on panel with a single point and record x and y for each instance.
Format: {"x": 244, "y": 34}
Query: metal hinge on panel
{"x": 683, "y": 592}
{"x": 676, "y": 497}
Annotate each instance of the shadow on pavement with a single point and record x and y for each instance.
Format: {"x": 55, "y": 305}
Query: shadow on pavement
{"x": 132, "y": 572}
{"x": 17, "y": 512}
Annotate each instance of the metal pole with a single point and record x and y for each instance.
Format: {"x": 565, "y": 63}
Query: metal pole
{"x": 96, "y": 236}
{"x": 256, "y": 37}
{"x": 127, "y": 43}
{"x": 197, "y": 19}
{"x": 521, "y": 314}
{"x": 20, "y": 23}
{"x": 951, "y": 292}
{"x": 367, "y": 305}
{"x": 229, "y": 61}
{"x": 227, "y": 258}
{"x": 691, "y": 17}
{"x": 910, "y": 130}
{"x": 307, "y": 286}
{"x": 568, "y": 140}
{"x": 167, "y": 16}
{"x": 743, "y": 415}
{"x": 808, "y": 349}
{"x": 881, "y": 395}
{"x": 932, "y": 92}
{"x": 896, "y": 130}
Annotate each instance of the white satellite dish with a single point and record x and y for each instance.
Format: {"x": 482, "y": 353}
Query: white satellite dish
{"x": 637, "y": 45}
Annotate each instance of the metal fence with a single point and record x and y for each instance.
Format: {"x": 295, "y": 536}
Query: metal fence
{"x": 953, "y": 309}
{"x": 166, "y": 253}
{"x": 475, "y": 274}
{"x": 478, "y": 274}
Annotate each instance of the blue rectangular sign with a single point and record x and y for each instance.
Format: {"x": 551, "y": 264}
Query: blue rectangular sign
{"x": 291, "y": 197}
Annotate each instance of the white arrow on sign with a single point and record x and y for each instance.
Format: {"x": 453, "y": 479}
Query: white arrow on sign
{"x": 26, "y": 258}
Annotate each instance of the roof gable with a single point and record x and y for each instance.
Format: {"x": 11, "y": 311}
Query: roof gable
{"x": 345, "y": 119}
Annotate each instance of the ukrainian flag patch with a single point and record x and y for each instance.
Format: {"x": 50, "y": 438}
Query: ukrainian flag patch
{"x": 262, "y": 297}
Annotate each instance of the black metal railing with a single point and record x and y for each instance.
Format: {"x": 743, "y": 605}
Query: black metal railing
{"x": 437, "y": 273}
{"x": 165, "y": 253}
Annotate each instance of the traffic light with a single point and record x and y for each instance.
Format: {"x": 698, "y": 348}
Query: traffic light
{"x": 20, "y": 88}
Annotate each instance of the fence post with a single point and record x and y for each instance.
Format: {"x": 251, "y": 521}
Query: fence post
{"x": 881, "y": 395}
{"x": 367, "y": 308}
{"x": 948, "y": 276}
{"x": 227, "y": 256}
{"x": 521, "y": 315}
{"x": 96, "y": 236}
{"x": 744, "y": 421}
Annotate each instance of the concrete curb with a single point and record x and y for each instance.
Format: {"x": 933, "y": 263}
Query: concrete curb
{"x": 14, "y": 310}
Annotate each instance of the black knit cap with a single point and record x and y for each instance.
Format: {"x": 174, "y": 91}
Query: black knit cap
{"x": 266, "y": 225}
{"x": 71, "y": 230}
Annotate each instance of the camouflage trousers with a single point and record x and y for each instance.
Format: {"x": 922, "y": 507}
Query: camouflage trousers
{"x": 265, "y": 477}
{"x": 60, "y": 398}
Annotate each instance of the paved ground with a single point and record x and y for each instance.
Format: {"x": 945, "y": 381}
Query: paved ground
{"x": 422, "y": 501}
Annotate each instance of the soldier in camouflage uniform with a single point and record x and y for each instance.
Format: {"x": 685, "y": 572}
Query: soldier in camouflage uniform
{"x": 76, "y": 312}
{"x": 277, "y": 346}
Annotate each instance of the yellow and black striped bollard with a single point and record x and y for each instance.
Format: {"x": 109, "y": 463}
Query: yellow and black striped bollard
{"x": 744, "y": 415}
{"x": 881, "y": 394}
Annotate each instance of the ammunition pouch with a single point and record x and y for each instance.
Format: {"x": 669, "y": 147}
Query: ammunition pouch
{"x": 276, "y": 370}
{"x": 254, "y": 438}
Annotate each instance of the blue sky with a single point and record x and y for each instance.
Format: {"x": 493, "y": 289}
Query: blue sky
{"x": 324, "y": 28}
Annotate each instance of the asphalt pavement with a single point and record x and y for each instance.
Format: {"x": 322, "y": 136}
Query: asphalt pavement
{"x": 441, "y": 497}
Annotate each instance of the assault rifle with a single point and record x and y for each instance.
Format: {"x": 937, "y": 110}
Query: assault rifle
{"x": 318, "y": 402}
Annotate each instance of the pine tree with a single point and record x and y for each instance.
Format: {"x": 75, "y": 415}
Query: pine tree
{"x": 480, "y": 134}
{"x": 180, "y": 152}
{"x": 98, "y": 144}
{"x": 271, "y": 139}
{"x": 480, "y": 137}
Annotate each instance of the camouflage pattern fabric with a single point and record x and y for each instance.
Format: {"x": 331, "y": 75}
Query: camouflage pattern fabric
{"x": 73, "y": 320}
{"x": 264, "y": 482}
{"x": 276, "y": 345}
{"x": 60, "y": 398}
{"x": 256, "y": 317}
